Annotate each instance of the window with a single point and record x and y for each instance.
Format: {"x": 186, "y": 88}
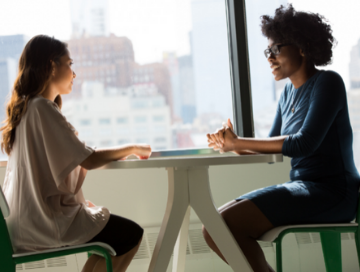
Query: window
{"x": 85, "y": 122}
{"x": 104, "y": 121}
{"x": 158, "y": 118}
{"x": 142, "y": 140}
{"x": 140, "y": 119}
{"x": 122, "y": 120}
{"x": 159, "y": 140}
{"x": 123, "y": 141}
{"x": 123, "y": 131}
{"x": 106, "y": 143}
{"x": 174, "y": 63}
{"x": 141, "y": 129}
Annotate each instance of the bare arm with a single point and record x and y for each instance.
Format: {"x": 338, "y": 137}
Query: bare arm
{"x": 267, "y": 145}
{"x": 105, "y": 155}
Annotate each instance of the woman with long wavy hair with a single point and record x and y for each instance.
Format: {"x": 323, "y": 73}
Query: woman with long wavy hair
{"x": 48, "y": 164}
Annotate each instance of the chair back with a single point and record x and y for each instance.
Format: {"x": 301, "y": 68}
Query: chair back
{"x": 6, "y": 250}
{"x": 358, "y": 211}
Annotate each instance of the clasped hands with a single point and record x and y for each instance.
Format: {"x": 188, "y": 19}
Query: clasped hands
{"x": 223, "y": 140}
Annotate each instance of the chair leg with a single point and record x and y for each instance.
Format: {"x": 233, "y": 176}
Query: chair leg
{"x": 331, "y": 246}
{"x": 278, "y": 254}
{"x": 109, "y": 266}
{"x": 357, "y": 242}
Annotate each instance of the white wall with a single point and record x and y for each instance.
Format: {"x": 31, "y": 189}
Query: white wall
{"x": 141, "y": 195}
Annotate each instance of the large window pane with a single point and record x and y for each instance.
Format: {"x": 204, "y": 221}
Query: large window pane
{"x": 154, "y": 67}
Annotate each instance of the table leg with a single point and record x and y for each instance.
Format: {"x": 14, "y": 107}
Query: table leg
{"x": 177, "y": 205}
{"x": 181, "y": 244}
{"x": 202, "y": 203}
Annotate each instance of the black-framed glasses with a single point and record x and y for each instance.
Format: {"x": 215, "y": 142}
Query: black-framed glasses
{"x": 275, "y": 49}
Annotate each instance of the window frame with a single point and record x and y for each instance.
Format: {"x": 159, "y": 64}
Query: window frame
{"x": 240, "y": 68}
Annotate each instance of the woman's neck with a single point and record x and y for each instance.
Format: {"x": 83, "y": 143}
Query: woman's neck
{"x": 50, "y": 93}
{"x": 302, "y": 75}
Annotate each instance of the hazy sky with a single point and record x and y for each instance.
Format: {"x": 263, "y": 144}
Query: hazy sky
{"x": 155, "y": 26}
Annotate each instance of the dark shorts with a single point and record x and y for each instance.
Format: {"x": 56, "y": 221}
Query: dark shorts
{"x": 120, "y": 233}
{"x": 325, "y": 200}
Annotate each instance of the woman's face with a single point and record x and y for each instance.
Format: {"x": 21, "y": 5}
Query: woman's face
{"x": 63, "y": 75}
{"x": 287, "y": 63}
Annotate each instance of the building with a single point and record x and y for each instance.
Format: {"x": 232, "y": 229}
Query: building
{"x": 187, "y": 89}
{"x": 109, "y": 60}
{"x": 8, "y": 69}
{"x": 354, "y": 66}
{"x": 210, "y": 56}
{"x": 158, "y": 74}
{"x": 89, "y": 18}
{"x": 114, "y": 116}
{"x": 182, "y": 83}
{"x": 11, "y": 48}
{"x": 354, "y": 92}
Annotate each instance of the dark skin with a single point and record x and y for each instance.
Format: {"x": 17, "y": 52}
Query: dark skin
{"x": 244, "y": 219}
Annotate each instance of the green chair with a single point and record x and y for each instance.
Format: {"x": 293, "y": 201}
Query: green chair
{"x": 9, "y": 260}
{"x": 330, "y": 235}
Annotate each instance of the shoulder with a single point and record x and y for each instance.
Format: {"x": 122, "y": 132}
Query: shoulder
{"x": 330, "y": 77}
{"x": 42, "y": 105}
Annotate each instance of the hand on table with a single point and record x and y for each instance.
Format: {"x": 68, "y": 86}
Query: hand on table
{"x": 142, "y": 151}
{"x": 90, "y": 204}
{"x": 223, "y": 139}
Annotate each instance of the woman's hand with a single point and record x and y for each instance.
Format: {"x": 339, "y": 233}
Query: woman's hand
{"x": 223, "y": 139}
{"x": 90, "y": 204}
{"x": 142, "y": 151}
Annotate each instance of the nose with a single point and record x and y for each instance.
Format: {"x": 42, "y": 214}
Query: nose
{"x": 271, "y": 57}
{"x": 74, "y": 75}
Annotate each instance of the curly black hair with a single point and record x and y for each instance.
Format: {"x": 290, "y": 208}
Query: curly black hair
{"x": 308, "y": 31}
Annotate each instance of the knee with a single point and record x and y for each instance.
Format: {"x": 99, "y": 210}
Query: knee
{"x": 139, "y": 232}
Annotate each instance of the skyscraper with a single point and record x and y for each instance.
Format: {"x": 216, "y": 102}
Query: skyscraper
{"x": 210, "y": 57}
{"x": 10, "y": 50}
{"x": 89, "y": 18}
{"x": 354, "y": 66}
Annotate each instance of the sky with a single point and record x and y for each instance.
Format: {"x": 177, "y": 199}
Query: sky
{"x": 164, "y": 25}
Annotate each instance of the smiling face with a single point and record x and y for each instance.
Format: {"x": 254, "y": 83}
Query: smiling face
{"x": 287, "y": 63}
{"x": 63, "y": 75}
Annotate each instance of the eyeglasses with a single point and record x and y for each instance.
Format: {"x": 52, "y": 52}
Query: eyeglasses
{"x": 275, "y": 49}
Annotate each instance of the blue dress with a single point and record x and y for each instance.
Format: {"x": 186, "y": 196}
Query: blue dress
{"x": 324, "y": 182}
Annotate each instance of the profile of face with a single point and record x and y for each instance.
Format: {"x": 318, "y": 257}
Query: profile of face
{"x": 286, "y": 62}
{"x": 62, "y": 75}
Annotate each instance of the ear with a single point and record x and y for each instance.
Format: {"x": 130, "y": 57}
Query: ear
{"x": 302, "y": 53}
{"x": 53, "y": 66}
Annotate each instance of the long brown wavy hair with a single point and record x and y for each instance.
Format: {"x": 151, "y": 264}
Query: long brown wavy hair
{"x": 35, "y": 68}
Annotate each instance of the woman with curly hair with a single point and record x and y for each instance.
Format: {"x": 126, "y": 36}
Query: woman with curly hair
{"x": 311, "y": 126}
{"x": 48, "y": 164}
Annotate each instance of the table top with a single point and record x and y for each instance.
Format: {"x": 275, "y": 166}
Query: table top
{"x": 191, "y": 161}
{"x": 194, "y": 161}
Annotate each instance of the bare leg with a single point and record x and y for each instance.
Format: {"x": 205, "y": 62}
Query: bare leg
{"x": 120, "y": 263}
{"x": 247, "y": 223}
